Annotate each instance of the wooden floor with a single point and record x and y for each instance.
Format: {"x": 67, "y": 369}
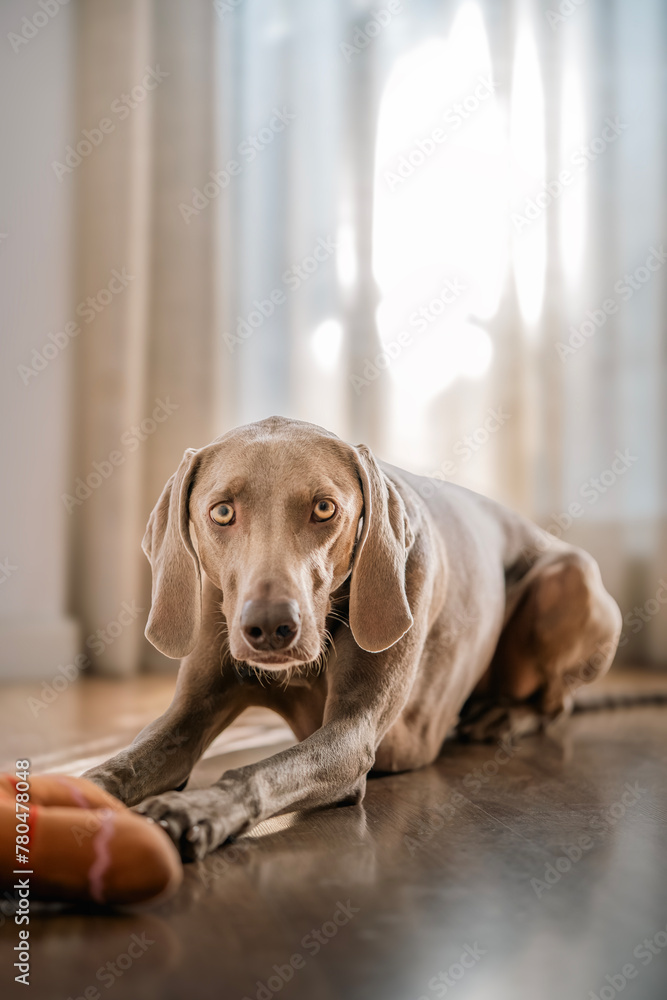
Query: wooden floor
{"x": 532, "y": 874}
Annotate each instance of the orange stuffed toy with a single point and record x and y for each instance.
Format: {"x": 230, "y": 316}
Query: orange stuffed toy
{"x": 80, "y": 843}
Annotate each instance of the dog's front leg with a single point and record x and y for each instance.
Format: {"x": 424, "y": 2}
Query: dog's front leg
{"x": 328, "y": 767}
{"x": 164, "y": 753}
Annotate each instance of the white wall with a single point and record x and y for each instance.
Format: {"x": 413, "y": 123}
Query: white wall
{"x": 36, "y": 282}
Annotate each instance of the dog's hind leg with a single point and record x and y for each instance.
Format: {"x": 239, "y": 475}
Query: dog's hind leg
{"x": 562, "y": 632}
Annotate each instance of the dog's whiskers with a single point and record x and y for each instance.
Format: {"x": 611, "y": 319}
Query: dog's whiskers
{"x": 222, "y": 635}
{"x": 339, "y": 599}
{"x": 338, "y": 617}
{"x": 283, "y": 677}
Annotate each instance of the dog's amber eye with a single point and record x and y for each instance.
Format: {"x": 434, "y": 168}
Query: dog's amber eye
{"x": 222, "y": 513}
{"x": 324, "y": 510}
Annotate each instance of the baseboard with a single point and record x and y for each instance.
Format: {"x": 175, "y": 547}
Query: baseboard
{"x": 33, "y": 649}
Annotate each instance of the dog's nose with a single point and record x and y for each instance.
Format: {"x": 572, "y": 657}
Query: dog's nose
{"x": 270, "y": 624}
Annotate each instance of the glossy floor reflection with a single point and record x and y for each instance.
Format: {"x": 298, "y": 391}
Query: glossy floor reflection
{"x": 529, "y": 873}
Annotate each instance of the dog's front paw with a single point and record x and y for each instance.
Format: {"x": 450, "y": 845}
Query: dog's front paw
{"x": 195, "y": 821}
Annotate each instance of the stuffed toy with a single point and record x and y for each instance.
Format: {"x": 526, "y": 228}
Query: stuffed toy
{"x": 81, "y": 844}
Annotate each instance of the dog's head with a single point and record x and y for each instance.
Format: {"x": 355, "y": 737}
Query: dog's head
{"x": 277, "y": 515}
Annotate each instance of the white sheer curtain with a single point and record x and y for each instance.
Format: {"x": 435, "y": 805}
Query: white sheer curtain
{"x": 484, "y": 396}
{"x": 276, "y": 265}
{"x": 148, "y": 380}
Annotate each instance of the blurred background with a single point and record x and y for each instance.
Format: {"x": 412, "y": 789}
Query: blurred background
{"x": 432, "y": 226}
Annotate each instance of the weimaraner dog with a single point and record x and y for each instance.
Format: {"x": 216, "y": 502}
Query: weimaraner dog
{"x": 373, "y": 609}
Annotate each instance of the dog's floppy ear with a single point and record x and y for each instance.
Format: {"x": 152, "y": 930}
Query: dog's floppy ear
{"x": 379, "y": 610}
{"x": 175, "y": 618}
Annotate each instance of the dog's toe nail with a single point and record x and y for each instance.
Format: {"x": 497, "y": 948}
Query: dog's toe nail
{"x": 193, "y": 833}
{"x": 164, "y": 823}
